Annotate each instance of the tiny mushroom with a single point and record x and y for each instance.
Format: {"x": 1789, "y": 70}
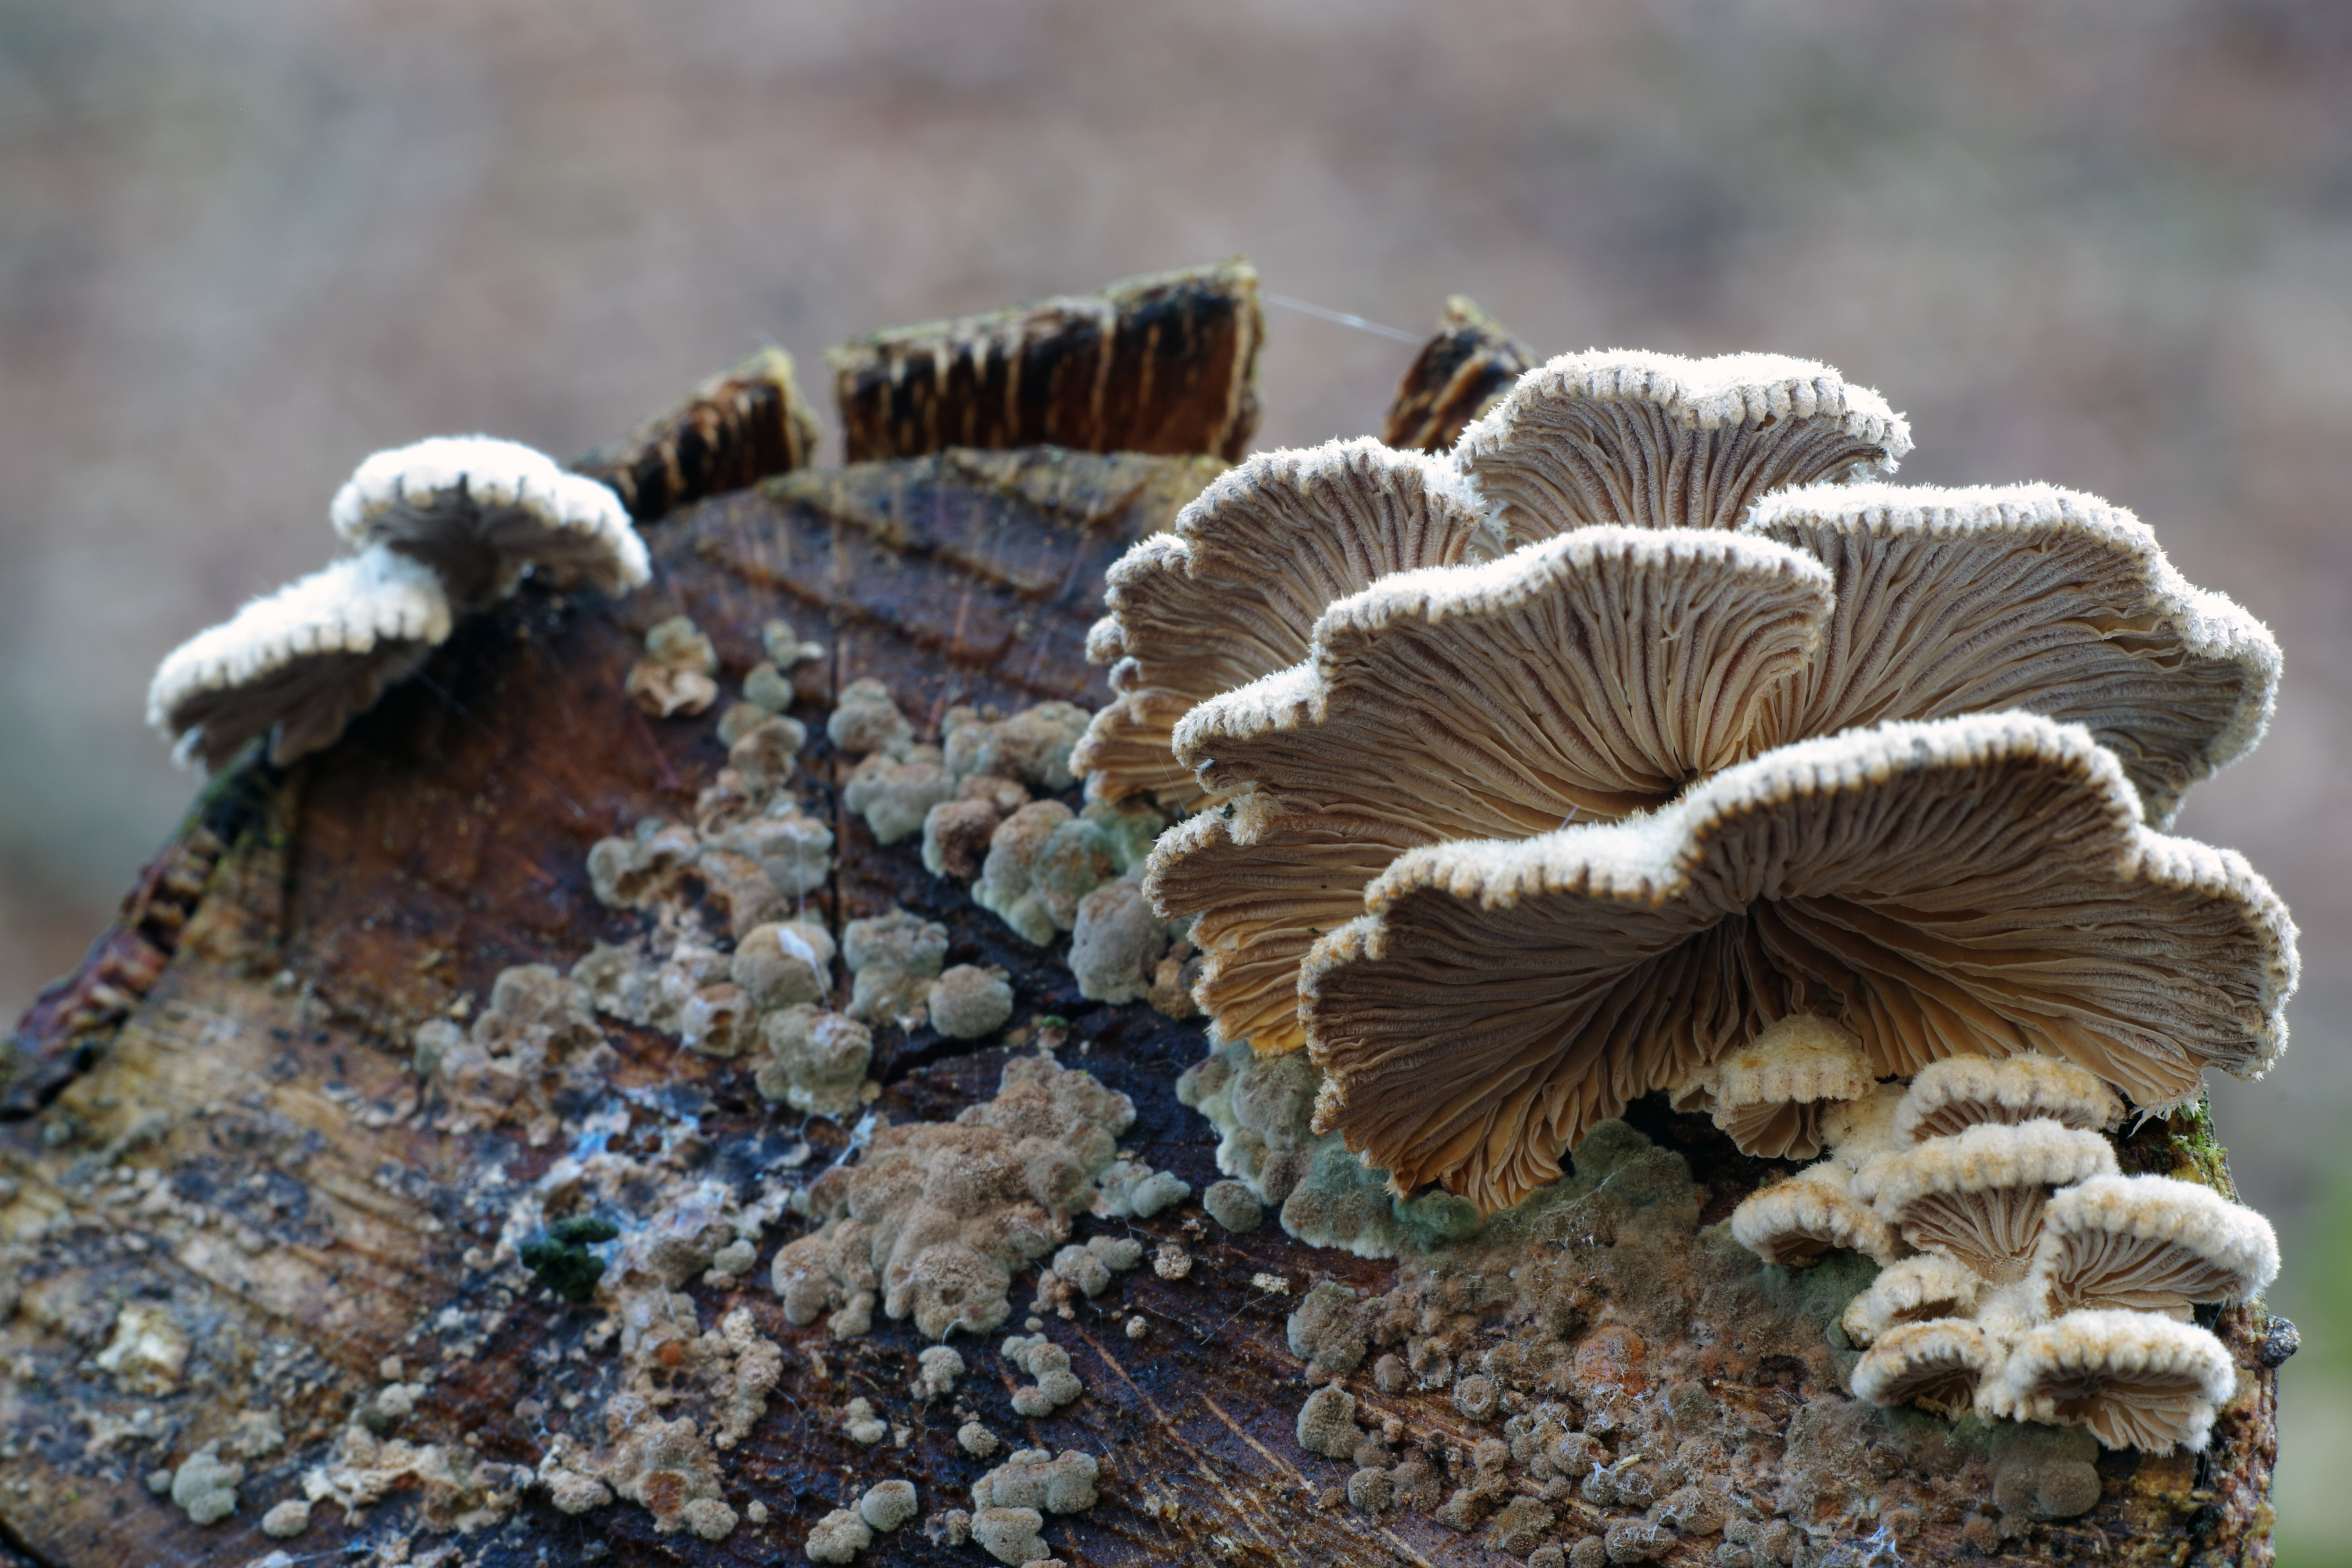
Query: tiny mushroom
{"x": 1977, "y": 1196}
{"x": 481, "y": 511}
{"x": 1769, "y": 1094}
{"x": 1911, "y": 1291}
{"x": 2151, "y": 1243}
{"x": 1935, "y": 1364}
{"x": 676, "y": 676}
{"x": 2135, "y": 1379}
{"x": 1804, "y": 1218}
{"x": 299, "y": 664}
{"x": 1960, "y": 1093}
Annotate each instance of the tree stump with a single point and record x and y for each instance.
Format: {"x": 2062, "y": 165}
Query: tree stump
{"x": 231, "y": 1206}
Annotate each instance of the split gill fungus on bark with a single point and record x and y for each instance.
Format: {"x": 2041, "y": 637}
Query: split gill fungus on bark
{"x": 1533, "y": 778}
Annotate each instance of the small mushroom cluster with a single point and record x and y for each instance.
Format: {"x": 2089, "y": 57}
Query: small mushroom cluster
{"x": 438, "y": 531}
{"x": 2023, "y": 1277}
{"x": 1537, "y": 776}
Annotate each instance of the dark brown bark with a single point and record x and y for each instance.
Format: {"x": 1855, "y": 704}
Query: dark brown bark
{"x": 1164, "y": 364}
{"x": 1472, "y": 361}
{"x": 735, "y": 429}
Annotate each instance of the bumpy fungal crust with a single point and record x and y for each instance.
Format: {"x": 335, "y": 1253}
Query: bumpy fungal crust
{"x": 1978, "y": 1195}
{"x": 2149, "y": 1243}
{"x": 1978, "y": 886}
{"x": 1031, "y": 747}
{"x": 480, "y": 512}
{"x": 934, "y": 1217}
{"x": 1802, "y": 1219}
{"x": 676, "y": 676}
{"x": 2135, "y": 1379}
{"x": 1961, "y": 1093}
{"x": 816, "y": 1061}
{"x": 892, "y": 960}
{"x": 1589, "y": 675}
{"x": 299, "y": 664}
{"x": 1911, "y": 1291}
{"x": 1935, "y": 1366}
{"x": 1770, "y": 1093}
{"x": 1232, "y": 591}
{"x": 967, "y": 1002}
{"x": 2026, "y": 597}
{"x": 1034, "y": 1477}
{"x": 536, "y": 1039}
{"x": 1657, "y": 441}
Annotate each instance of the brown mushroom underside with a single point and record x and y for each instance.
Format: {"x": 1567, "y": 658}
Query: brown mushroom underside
{"x": 1979, "y": 887}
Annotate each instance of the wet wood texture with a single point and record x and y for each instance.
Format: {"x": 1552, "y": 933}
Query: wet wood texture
{"x": 242, "y": 1048}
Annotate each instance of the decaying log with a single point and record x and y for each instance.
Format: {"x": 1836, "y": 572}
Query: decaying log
{"x": 235, "y": 1215}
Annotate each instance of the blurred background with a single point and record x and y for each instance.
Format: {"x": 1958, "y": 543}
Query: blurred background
{"x": 2109, "y": 244}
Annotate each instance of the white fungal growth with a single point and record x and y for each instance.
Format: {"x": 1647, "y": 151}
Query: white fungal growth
{"x": 480, "y": 511}
{"x": 303, "y": 660}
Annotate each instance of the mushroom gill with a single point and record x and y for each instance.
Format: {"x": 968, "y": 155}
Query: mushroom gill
{"x": 299, "y": 664}
{"x": 1232, "y": 591}
{"x": 1593, "y": 675}
{"x": 1960, "y": 1093}
{"x": 2135, "y": 1380}
{"x": 1936, "y": 1365}
{"x": 1804, "y": 1218}
{"x": 1769, "y": 1095}
{"x": 1658, "y": 441}
{"x": 2152, "y": 1244}
{"x": 1649, "y": 440}
{"x": 1979, "y": 1197}
{"x": 1628, "y": 660}
{"x": 1969, "y": 887}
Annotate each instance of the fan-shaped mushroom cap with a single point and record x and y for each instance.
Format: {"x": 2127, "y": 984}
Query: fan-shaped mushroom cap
{"x": 1936, "y": 1365}
{"x": 1797, "y": 1220}
{"x": 1912, "y": 1291}
{"x": 1627, "y": 661}
{"x": 478, "y": 511}
{"x": 1978, "y": 1194}
{"x": 1232, "y": 591}
{"x": 302, "y": 662}
{"x": 2026, "y": 597}
{"x": 1960, "y": 1093}
{"x": 1978, "y": 886}
{"x": 2135, "y": 1379}
{"x": 1658, "y": 441}
{"x": 2151, "y": 1243}
{"x": 1769, "y": 1094}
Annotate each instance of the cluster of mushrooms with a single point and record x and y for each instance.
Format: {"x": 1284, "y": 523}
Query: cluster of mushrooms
{"x": 439, "y": 529}
{"x": 1649, "y": 735}
{"x": 2022, "y": 1277}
